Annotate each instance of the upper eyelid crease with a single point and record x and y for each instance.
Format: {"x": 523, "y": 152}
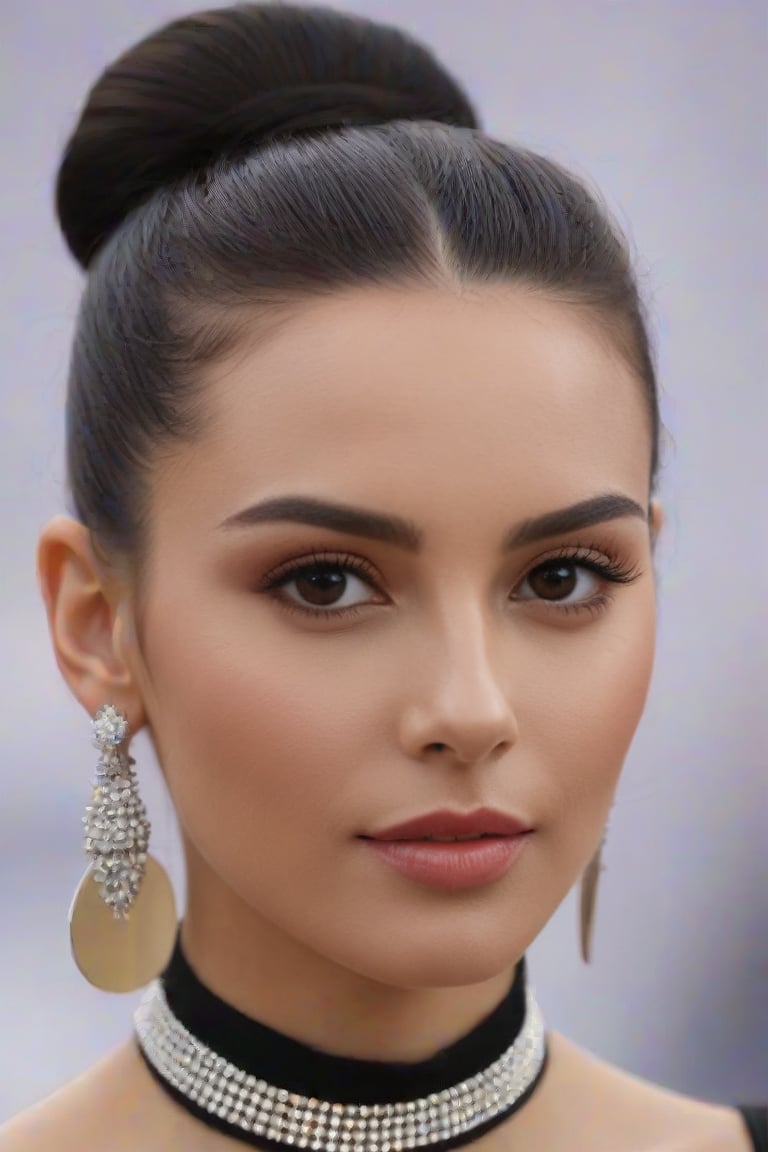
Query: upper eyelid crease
{"x": 405, "y": 534}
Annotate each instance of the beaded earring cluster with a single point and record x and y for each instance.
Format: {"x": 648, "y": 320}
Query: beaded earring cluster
{"x": 123, "y": 917}
{"x": 116, "y": 824}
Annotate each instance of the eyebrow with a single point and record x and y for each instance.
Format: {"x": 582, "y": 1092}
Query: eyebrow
{"x": 403, "y": 533}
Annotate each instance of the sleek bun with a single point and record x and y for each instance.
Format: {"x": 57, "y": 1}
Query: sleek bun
{"x": 222, "y": 81}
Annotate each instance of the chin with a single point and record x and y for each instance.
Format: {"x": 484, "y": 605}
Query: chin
{"x": 460, "y": 954}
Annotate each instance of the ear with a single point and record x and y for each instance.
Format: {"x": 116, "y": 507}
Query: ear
{"x": 655, "y": 520}
{"x": 88, "y": 611}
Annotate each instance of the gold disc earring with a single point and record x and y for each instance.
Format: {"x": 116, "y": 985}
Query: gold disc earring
{"x": 122, "y": 921}
{"x": 589, "y": 882}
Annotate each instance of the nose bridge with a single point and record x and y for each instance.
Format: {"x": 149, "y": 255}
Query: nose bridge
{"x": 470, "y": 664}
{"x": 459, "y": 696}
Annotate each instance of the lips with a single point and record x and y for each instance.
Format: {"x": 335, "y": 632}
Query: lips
{"x": 481, "y": 822}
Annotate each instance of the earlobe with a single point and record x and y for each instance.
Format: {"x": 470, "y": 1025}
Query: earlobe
{"x": 82, "y": 604}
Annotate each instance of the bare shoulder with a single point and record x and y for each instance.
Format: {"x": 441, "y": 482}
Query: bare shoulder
{"x": 115, "y": 1106}
{"x": 621, "y": 1112}
{"x": 108, "y": 1101}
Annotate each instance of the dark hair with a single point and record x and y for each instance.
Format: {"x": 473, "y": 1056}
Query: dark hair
{"x": 238, "y": 160}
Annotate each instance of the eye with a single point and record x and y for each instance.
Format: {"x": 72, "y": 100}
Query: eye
{"x": 324, "y": 586}
{"x": 573, "y": 580}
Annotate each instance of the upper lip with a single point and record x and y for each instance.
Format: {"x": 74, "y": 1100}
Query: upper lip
{"x": 445, "y": 823}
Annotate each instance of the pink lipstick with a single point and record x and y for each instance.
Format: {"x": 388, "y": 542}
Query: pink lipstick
{"x": 453, "y": 850}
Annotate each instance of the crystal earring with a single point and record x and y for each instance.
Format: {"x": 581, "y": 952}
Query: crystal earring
{"x": 122, "y": 920}
{"x": 589, "y": 881}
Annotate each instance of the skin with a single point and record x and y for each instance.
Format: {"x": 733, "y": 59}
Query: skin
{"x": 284, "y": 737}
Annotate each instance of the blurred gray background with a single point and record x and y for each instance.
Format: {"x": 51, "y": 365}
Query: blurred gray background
{"x": 662, "y": 103}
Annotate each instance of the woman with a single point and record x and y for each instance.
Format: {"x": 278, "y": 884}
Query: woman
{"x": 363, "y": 442}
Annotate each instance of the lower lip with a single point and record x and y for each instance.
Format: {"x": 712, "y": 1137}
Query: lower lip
{"x": 461, "y": 864}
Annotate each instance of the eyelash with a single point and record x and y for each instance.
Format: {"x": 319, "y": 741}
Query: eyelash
{"x": 608, "y": 566}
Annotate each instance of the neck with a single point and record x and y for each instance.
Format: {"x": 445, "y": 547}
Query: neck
{"x": 269, "y": 977}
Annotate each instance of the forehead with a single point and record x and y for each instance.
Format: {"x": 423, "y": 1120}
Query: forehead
{"x": 389, "y": 393}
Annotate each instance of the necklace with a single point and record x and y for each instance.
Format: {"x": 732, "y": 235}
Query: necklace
{"x": 269, "y": 1090}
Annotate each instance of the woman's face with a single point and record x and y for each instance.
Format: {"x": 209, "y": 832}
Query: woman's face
{"x": 292, "y": 718}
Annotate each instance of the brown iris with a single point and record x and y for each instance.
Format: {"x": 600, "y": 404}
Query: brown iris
{"x": 321, "y": 587}
{"x": 553, "y": 581}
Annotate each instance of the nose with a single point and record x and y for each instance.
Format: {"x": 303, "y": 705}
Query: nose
{"x": 459, "y": 700}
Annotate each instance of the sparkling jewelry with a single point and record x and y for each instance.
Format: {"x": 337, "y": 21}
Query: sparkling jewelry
{"x": 242, "y": 1103}
{"x": 116, "y": 824}
{"x": 122, "y": 921}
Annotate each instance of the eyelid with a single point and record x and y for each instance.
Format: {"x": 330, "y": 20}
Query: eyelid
{"x": 319, "y": 557}
{"x": 604, "y": 559}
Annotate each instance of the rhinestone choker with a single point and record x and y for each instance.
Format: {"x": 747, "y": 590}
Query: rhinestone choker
{"x": 269, "y": 1090}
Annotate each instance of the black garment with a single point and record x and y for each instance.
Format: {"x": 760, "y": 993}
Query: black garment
{"x": 756, "y": 1120}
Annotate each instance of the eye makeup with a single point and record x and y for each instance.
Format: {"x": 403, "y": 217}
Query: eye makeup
{"x": 322, "y": 567}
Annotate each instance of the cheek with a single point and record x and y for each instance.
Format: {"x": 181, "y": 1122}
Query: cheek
{"x": 588, "y": 718}
{"x": 254, "y": 741}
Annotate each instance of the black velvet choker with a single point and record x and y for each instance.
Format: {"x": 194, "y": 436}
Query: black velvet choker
{"x": 269, "y": 1090}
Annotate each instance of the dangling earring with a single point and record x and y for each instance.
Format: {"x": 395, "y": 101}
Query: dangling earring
{"x": 122, "y": 921}
{"x": 589, "y": 882}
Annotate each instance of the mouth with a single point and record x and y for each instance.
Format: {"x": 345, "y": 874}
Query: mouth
{"x": 450, "y": 862}
{"x": 446, "y": 827}
{"x": 435, "y": 839}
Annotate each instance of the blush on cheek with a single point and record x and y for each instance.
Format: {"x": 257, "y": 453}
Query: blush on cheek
{"x": 243, "y": 737}
{"x": 589, "y": 718}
